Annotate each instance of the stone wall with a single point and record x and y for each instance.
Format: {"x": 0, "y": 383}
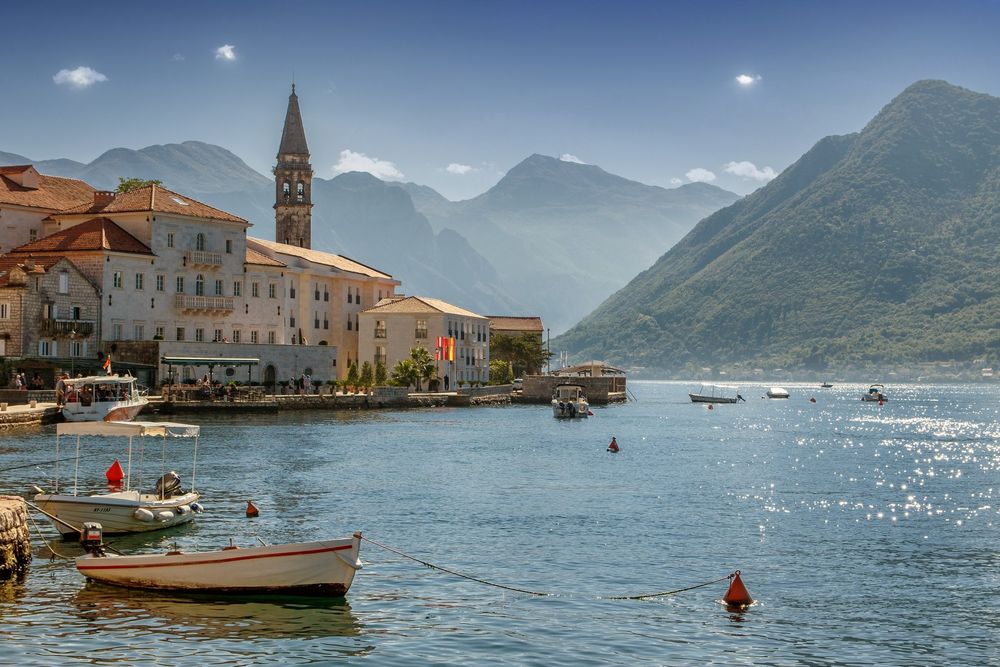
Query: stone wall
{"x": 15, "y": 545}
{"x": 598, "y": 390}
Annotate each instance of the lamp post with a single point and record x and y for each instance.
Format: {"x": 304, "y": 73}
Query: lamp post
{"x": 72, "y": 339}
{"x": 548, "y": 352}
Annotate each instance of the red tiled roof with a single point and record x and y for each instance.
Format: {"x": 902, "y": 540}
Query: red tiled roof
{"x": 153, "y": 198}
{"x": 507, "y": 323}
{"x": 8, "y": 262}
{"x": 95, "y": 234}
{"x": 254, "y": 257}
{"x": 53, "y": 192}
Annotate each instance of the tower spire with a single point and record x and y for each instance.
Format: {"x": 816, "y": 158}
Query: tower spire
{"x": 293, "y": 181}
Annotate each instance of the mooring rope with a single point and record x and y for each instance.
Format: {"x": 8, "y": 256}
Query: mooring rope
{"x": 41, "y": 535}
{"x": 538, "y": 593}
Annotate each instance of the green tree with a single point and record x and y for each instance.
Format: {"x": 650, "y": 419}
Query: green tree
{"x": 367, "y": 376}
{"x": 424, "y": 364}
{"x": 381, "y": 374}
{"x": 352, "y": 376}
{"x": 501, "y": 372}
{"x": 526, "y": 353}
{"x": 129, "y": 184}
{"x": 405, "y": 374}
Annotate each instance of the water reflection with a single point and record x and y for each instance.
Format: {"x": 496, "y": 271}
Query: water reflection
{"x": 205, "y": 616}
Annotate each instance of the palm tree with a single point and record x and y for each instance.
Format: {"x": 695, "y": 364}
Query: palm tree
{"x": 405, "y": 373}
{"x": 424, "y": 364}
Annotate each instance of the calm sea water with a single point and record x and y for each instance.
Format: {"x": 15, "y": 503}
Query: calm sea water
{"x": 869, "y": 535}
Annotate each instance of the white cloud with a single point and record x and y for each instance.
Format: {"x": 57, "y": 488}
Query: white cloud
{"x": 177, "y": 57}
{"x": 699, "y": 175}
{"x": 81, "y": 77}
{"x": 459, "y": 169}
{"x": 351, "y": 161}
{"x": 747, "y": 80}
{"x": 750, "y": 170}
{"x": 676, "y": 181}
{"x": 569, "y": 157}
{"x": 225, "y": 52}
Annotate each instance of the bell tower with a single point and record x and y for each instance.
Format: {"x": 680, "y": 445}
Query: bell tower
{"x": 293, "y": 182}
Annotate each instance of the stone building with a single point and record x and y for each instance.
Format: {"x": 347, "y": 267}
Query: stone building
{"x": 27, "y": 198}
{"x": 518, "y": 326}
{"x": 293, "y": 182}
{"x": 393, "y": 326}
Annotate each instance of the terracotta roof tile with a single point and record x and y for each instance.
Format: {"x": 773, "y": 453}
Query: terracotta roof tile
{"x": 254, "y": 257}
{"x": 419, "y": 304}
{"x": 316, "y": 256}
{"x": 508, "y": 323}
{"x": 156, "y": 199}
{"x": 8, "y": 262}
{"x": 95, "y": 234}
{"x": 53, "y": 192}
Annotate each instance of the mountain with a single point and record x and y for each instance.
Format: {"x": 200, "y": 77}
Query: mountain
{"x": 564, "y": 235}
{"x": 873, "y": 249}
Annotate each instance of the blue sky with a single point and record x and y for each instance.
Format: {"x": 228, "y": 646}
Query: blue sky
{"x": 646, "y": 90}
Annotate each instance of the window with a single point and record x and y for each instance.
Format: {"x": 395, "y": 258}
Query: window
{"x": 350, "y": 322}
{"x": 291, "y": 290}
{"x": 76, "y": 312}
{"x": 421, "y": 331}
{"x": 236, "y": 335}
{"x": 255, "y": 289}
{"x": 159, "y": 283}
{"x": 218, "y": 288}
{"x": 253, "y": 337}
{"x": 350, "y": 295}
{"x": 291, "y": 321}
{"x": 316, "y": 292}
{"x": 270, "y": 337}
{"x": 140, "y": 278}
{"x": 272, "y": 289}
{"x": 300, "y": 191}
{"x": 229, "y": 246}
{"x": 217, "y": 336}
{"x": 46, "y": 348}
{"x": 76, "y": 348}
{"x": 379, "y": 355}
{"x": 286, "y": 190}
{"x": 180, "y": 333}
{"x": 326, "y": 294}
{"x": 116, "y": 331}
{"x": 180, "y": 284}
{"x": 199, "y": 285}
{"x": 379, "y": 328}
{"x": 4, "y": 311}
{"x": 237, "y": 288}
{"x": 199, "y": 335}
{"x": 64, "y": 282}
{"x": 315, "y": 320}
{"x": 170, "y": 240}
{"x": 326, "y": 322}
{"x": 199, "y": 242}
{"x": 158, "y": 333}
{"x": 116, "y": 279}
{"x": 138, "y": 332}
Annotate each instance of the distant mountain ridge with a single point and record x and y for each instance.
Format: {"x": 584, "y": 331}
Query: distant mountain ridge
{"x": 879, "y": 247}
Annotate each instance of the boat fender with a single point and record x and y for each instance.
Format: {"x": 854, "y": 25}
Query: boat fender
{"x": 183, "y": 509}
{"x": 142, "y": 514}
{"x": 165, "y": 515}
{"x": 197, "y": 508}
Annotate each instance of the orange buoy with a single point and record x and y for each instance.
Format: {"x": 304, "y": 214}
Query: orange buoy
{"x": 115, "y": 474}
{"x": 737, "y": 595}
{"x": 252, "y": 510}
{"x": 613, "y": 447}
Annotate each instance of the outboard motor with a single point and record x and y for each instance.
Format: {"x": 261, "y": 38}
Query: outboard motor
{"x": 91, "y": 539}
{"x": 168, "y": 485}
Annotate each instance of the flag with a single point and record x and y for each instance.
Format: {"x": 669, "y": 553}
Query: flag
{"x": 439, "y": 348}
{"x": 107, "y": 365}
{"x": 451, "y": 349}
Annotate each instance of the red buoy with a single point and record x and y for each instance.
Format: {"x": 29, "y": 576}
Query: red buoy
{"x": 252, "y": 510}
{"x": 115, "y": 474}
{"x": 613, "y": 447}
{"x": 737, "y": 595}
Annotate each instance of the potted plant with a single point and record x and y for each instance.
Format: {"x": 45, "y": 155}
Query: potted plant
{"x": 333, "y": 386}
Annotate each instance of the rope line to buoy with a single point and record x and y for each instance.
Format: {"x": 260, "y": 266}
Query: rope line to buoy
{"x": 538, "y": 593}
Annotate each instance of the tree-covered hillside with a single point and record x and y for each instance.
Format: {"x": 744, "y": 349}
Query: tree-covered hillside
{"x": 880, "y": 247}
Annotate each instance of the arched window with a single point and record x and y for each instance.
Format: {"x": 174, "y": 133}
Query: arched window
{"x": 286, "y": 189}
{"x": 199, "y": 242}
{"x": 199, "y": 284}
{"x": 300, "y": 191}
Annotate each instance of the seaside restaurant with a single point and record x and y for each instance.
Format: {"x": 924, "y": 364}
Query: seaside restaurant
{"x": 230, "y": 364}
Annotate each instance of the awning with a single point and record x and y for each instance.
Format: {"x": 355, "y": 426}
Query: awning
{"x": 128, "y": 429}
{"x": 209, "y": 361}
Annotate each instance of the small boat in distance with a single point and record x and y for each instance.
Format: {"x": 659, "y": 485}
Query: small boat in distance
{"x": 323, "y": 568}
{"x": 716, "y": 393}
{"x": 826, "y": 385}
{"x": 569, "y": 402}
{"x": 99, "y": 397}
{"x": 875, "y": 393}
{"x": 777, "y": 392}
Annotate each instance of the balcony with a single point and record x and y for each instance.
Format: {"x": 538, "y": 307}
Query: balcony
{"x": 78, "y": 328}
{"x": 204, "y": 304}
{"x": 202, "y": 258}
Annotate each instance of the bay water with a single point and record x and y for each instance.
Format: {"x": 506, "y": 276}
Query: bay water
{"x": 867, "y": 534}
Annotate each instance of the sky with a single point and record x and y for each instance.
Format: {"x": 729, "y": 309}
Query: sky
{"x": 453, "y": 94}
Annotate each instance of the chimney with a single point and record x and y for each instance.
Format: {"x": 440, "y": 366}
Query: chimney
{"x": 103, "y": 197}
{"x": 29, "y": 264}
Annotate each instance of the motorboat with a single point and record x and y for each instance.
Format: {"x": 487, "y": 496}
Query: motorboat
{"x": 323, "y": 568}
{"x": 102, "y": 397}
{"x": 826, "y": 385}
{"x": 716, "y": 393}
{"x": 777, "y": 392}
{"x": 569, "y": 402}
{"x": 129, "y": 504}
{"x": 875, "y": 393}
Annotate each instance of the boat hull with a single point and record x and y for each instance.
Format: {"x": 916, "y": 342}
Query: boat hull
{"x": 117, "y": 513}
{"x": 700, "y": 398}
{"x": 123, "y": 411}
{"x": 570, "y": 409}
{"x": 324, "y": 568}
{"x": 873, "y": 399}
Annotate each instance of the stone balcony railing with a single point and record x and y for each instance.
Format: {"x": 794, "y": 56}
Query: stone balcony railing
{"x": 54, "y": 327}
{"x": 216, "y": 304}
{"x": 203, "y": 258}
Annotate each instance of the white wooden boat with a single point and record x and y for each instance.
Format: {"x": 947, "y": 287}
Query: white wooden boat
{"x": 716, "y": 393}
{"x": 875, "y": 393}
{"x": 322, "y": 568}
{"x": 102, "y": 397}
{"x": 135, "y": 507}
{"x": 569, "y": 402}
{"x": 777, "y": 392}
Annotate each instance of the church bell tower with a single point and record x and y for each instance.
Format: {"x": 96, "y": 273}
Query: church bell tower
{"x": 293, "y": 182}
